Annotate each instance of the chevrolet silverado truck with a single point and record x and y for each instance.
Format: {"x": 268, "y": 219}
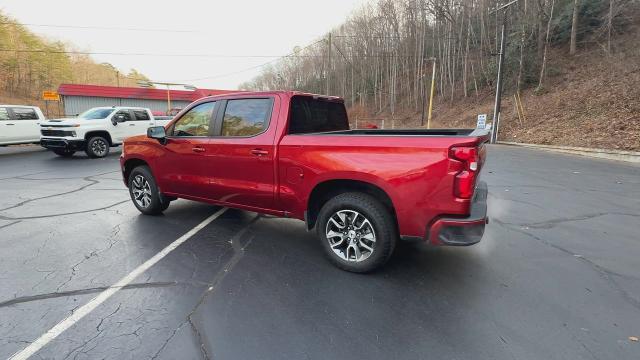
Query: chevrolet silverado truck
{"x": 292, "y": 154}
{"x": 20, "y": 124}
{"x": 96, "y": 130}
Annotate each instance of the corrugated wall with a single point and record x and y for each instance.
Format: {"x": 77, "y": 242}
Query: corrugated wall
{"x": 74, "y": 105}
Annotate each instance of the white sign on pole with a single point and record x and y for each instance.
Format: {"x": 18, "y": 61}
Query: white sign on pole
{"x": 482, "y": 121}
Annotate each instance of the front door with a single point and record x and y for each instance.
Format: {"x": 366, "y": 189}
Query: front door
{"x": 242, "y": 170}
{"x": 182, "y": 168}
{"x": 123, "y": 128}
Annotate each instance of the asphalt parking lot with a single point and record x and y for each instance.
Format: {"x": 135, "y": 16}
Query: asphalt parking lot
{"x": 557, "y": 275}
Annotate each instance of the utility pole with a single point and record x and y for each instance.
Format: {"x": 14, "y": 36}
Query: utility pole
{"x": 328, "y": 66}
{"x": 496, "y": 109}
{"x": 118, "y": 85}
{"x": 424, "y": 93}
{"x": 168, "y": 99}
{"x": 433, "y": 89}
{"x": 431, "y": 93}
{"x": 147, "y": 84}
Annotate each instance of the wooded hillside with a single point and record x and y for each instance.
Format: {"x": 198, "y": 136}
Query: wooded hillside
{"x": 380, "y": 59}
{"x": 30, "y": 64}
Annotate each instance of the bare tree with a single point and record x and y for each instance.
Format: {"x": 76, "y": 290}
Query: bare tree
{"x": 546, "y": 45}
{"x": 574, "y": 26}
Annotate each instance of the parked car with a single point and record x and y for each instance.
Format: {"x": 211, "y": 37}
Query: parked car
{"x": 292, "y": 154}
{"x": 96, "y": 130}
{"x": 20, "y": 124}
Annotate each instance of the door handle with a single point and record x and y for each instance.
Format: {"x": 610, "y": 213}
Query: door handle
{"x": 259, "y": 152}
{"x": 132, "y": 124}
{"x": 198, "y": 149}
{"x": 9, "y": 124}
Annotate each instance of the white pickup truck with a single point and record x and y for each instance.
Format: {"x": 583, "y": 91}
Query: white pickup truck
{"x": 20, "y": 124}
{"x": 96, "y": 130}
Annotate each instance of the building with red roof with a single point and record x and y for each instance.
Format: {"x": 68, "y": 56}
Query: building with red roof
{"x": 77, "y": 98}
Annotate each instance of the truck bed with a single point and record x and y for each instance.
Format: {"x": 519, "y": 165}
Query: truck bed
{"x": 408, "y": 132}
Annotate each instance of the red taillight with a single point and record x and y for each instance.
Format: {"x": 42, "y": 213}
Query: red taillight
{"x": 465, "y": 180}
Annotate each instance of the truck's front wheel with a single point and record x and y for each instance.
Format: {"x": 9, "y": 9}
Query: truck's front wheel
{"x": 357, "y": 232}
{"x": 144, "y": 192}
{"x": 97, "y": 147}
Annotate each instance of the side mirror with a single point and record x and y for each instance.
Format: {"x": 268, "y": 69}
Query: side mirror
{"x": 118, "y": 118}
{"x": 158, "y": 133}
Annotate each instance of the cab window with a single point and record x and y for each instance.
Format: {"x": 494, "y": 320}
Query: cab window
{"x": 309, "y": 115}
{"x": 24, "y": 114}
{"x": 246, "y": 117}
{"x": 195, "y": 122}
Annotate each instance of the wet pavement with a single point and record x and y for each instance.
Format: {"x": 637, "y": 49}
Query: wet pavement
{"x": 557, "y": 275}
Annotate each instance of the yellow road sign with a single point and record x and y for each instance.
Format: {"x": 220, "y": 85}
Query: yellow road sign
{"x": 50, "y": 96}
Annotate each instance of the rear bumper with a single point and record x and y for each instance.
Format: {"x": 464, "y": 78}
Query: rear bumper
{"x": 60, "y": 143}
{"x": 462, "y": 231}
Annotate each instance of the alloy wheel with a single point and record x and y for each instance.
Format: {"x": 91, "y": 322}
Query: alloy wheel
{"x": 141, "y": 191}
{"x": 351, "y": 235}
{"x": 99, "y": 147}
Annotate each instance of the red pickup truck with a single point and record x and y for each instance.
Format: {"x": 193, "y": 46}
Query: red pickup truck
{"x": 292, "y": 154}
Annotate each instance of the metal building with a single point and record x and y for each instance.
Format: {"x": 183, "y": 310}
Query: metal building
{"x": 79, "y": 98}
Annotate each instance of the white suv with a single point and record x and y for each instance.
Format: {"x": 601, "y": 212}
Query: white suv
{"x": 20, "y": 124}
{"x": 96, "y": 130}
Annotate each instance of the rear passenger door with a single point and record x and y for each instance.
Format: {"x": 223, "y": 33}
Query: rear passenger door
{"x": 242, "y": 172}
{"x": 26, "y": 124}
{"x": 8, "y": 129}
{"x": 143, "y": 120}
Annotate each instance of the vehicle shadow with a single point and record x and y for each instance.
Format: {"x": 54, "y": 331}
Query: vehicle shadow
{"x": 80, "y": 155}
{"x": 283, "y": 286}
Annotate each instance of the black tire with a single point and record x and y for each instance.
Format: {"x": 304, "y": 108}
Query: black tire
{"x": 155, "y": 203}
{"x": 64, "y": 152}
{"x": 381, "y": 221}
{"x": 97, "y": 147}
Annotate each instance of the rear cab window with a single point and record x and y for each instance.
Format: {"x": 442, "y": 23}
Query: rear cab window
{"x": 246, "y": 117}
{"x": 313, "y": 115}
{"x": 20, "y": 113}
{"x": 141, "y": 115}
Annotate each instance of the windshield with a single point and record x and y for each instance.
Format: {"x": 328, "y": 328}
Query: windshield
{"x": 93, "y": 114}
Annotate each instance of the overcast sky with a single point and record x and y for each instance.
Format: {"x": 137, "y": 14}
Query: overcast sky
{"x": 229, "y": 27}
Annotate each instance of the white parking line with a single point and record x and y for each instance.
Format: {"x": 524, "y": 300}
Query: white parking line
{"x": 82, "y": 311}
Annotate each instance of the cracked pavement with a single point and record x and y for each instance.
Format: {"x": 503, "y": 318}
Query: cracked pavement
{"x": 556, "y": 276}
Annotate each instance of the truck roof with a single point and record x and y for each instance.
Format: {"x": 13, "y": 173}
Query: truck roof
{"x": 119, "y": 107}
{"x": 22, "y": 106}
{"x": 288, "y": 93}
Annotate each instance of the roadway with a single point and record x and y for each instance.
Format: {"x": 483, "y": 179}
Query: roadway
{"x": 557, "y": 275}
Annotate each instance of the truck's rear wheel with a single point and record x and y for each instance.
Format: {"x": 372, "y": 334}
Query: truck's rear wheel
{"x": 357, "y": 232}
{"x": 64, "y": 152}
{"x": 144, "y": 192}
{"x": 97, "y": 147}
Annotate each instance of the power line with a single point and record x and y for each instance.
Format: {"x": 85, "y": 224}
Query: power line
{"x": 100, "y": 27}
{"x": 229, "y": 56}
{"x": 142, "y": 54}
{"x": 253, "y": 67}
